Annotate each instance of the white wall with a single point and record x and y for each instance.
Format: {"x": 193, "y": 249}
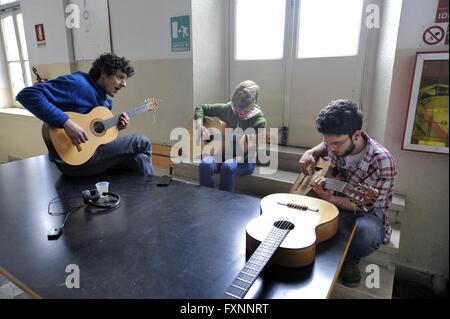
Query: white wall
{"x": 424, "y": 243}
{"x": 141, "y": 32}
{"x": 385, "y": 58}
{"x": 141, "y": 29}
{"x": 92, "y": 37}
{"x": 51, "y": 13}
{"x": 210, "y": 46}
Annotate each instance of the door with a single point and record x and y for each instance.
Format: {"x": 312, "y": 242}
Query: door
{"x": 323, "y": 57}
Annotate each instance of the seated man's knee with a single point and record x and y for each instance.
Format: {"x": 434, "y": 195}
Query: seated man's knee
{"x": 229, "y": 168}
{"x": 144, "y": 143}
{"x": 207, "y": 165}
{"x": 369, "y": 232}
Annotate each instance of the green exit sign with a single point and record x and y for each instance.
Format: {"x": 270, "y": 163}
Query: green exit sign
{"x": 180, "y": 33}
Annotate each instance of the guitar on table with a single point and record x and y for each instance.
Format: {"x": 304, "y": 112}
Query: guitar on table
{"x": 286, "y": 233}
{"x": 288, "y": 229}
{"x": 101, "y": 127}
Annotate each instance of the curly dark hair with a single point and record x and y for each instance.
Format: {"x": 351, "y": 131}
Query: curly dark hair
{"x": 339, "y": 117}
{"x": 109, "y": 64}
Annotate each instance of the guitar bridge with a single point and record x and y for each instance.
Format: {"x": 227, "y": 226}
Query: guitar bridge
{"x": 299, "y": 207}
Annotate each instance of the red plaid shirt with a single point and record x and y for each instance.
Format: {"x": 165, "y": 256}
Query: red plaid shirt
{"x": 377, "y": 169}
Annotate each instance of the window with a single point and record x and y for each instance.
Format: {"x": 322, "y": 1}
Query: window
{"x": 329, "y": 28}
{"x": 259, "y": 29}
{"x": 15, "y": 48}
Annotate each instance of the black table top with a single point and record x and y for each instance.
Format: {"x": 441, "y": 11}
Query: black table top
{"x": 180, "y": 241}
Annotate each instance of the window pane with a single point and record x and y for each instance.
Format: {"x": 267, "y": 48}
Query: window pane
{"x": 259, "y": 29}
{"x": 15, "y": 73}
{"x": 329, "y": 28}
{"x": 22, "y": 36}
{"x": 28, "y": 73}
{"x": 9, "y": 35}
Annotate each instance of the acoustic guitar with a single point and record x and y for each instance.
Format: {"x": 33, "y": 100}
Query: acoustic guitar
{"x": 286, "y": 233}
{"x": 99, "y": 124}
{"x": 218, "y": 143}
{"x": 200, "y": 148}
{"x": 362, "y": 195}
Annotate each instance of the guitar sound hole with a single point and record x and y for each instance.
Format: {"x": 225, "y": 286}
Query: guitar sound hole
{"x": 99, "y": 127}
{"x": 284, "y": 224}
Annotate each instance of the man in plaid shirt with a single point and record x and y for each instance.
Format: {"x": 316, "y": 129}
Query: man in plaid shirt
{"x": 359, "y": 159}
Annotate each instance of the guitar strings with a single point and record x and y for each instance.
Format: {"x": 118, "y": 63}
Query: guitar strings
{"x": 341, "y": 185}
{"x": 283, "y": 230}
{"x": 113, "y": 121}
{"x": 275, "y": 232}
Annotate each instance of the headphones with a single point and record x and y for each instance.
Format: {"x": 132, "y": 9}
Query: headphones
{"x": 91, "y": 197}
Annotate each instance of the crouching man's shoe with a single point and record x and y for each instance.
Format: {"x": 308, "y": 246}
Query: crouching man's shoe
{"x": 350, "y": 274}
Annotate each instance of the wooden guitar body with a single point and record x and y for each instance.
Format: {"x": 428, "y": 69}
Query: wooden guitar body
{"x": 302, "y": 185}
{"x": 286, "y": 234}
{"x": 69, "y": 152}
{"x": 200, "y": 148}
{"x": 310, "y": 227}
{"x": 100, "y": 126}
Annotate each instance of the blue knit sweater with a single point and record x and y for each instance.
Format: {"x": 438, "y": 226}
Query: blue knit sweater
{"x": 75, "y": 92}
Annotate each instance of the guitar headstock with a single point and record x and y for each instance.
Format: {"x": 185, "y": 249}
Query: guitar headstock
{"x": 152, "y": 103}
{"x": 362, "y": 195}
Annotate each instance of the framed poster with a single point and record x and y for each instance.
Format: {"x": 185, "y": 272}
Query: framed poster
{"x": 426, "y": 127}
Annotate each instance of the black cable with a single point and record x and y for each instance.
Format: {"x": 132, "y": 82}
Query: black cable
{"x": 69, "y": 213}
{"x": 58, "y": 199}
{"x": 56, "y": 232}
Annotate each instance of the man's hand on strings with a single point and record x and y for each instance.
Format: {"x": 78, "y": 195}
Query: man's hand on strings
{"x": 76, "y": 133}
{"x": 305, "y": 162}
{"x": 123, "y": 121}
{"x": 319, "y": 184}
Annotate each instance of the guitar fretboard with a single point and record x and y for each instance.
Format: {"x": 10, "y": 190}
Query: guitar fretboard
{"x": 113, "y": 121}
{"x": 253, "y": 267}
{"x": 335, "y": 185}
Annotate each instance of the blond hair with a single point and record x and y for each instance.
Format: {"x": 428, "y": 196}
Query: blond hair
{"x": 245, "y": 94}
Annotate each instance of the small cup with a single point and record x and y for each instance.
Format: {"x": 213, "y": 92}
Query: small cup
{"x": 102, "y": 187}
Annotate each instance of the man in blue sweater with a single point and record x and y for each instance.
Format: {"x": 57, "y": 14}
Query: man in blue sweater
{"x": 81, "y": 92}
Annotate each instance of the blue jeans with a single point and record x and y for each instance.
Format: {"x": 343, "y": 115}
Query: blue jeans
{"x": 228, "y": 171}
{"x": 131, "y": 152}
{"x": 369, "y": 233}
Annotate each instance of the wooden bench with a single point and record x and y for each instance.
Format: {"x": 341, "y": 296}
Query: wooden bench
{"x": 161, "y": 156}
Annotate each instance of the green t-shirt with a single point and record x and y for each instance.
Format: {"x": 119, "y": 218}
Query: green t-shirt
{"x": 224, "y": 112}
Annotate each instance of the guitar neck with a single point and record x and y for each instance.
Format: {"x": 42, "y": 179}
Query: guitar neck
{"x": 113, "y": 121}
{"x": 352, "y": 192}
{"x": 335, "y": 185}
{"x": 253, "y": 267}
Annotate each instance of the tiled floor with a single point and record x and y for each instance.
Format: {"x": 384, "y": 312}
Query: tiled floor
{"x": 10, "y": 291}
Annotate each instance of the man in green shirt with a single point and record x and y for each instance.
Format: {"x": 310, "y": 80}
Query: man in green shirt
{"x": 242, "y": 112}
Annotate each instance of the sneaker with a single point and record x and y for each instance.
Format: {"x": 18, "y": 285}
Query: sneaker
{"x": 350, "y": 274}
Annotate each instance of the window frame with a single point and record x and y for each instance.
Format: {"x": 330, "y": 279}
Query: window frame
{"x": 233, "y": 33}
{"x": 297, "y": 36}
{"x": 13, "y": 10}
